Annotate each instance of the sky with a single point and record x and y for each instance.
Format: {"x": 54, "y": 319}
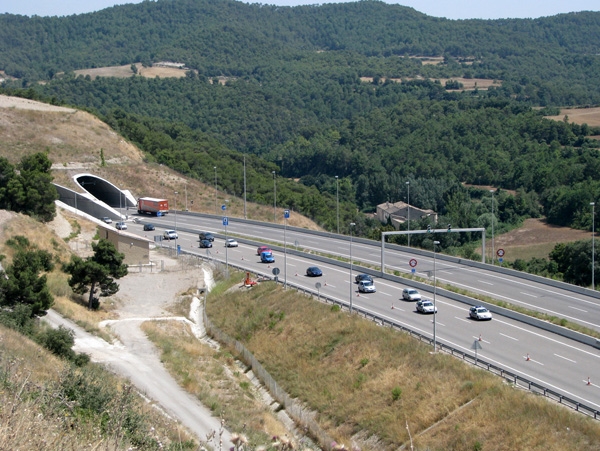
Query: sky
{"x": 457, "y": 9}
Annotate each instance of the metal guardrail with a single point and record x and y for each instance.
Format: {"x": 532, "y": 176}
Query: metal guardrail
{"x": 517, "y": 380}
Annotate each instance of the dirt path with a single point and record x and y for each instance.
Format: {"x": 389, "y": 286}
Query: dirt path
{"x": 145, "y": 297}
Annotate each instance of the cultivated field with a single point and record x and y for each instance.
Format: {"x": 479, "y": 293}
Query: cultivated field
{"x": 590, "y": 116}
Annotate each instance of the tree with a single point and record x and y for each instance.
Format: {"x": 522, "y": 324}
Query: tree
{"x": 21, "y": 284}
{"x": 98, "y": 271}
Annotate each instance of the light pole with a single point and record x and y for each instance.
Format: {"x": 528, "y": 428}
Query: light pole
{"x": 593, "y": 204}
{"x": 408, "y": 211}
{"x": 352, "y": 224}
{"x": 434, "y": 292}
{"x": 493, "y": 255}
{"x": 337, "y": 202}
{"x": 286, "y": 215}
{"x": 274, "y": 196}
{"x": 216, "y": 210}
{"x": 245, "y": 186}
{"x": 176, "y": 253}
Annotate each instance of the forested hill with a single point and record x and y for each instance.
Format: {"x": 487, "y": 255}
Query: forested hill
{"x": 336, "y": 93}
{"x": 225, "y": 37}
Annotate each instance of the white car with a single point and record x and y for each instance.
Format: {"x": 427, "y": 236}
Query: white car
{"x": 410, "y": 294}
{"x": 121, "y": 226}
{"x": 231, "y": 243}
{"x": 170, "y": 235}
{"x": 425, "y": 306}
{"x": 107, "y": 220}
{"x": 480, "y": 313}
{"x": 366, "y": 286}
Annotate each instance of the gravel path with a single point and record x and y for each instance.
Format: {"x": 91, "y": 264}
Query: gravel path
{"x": 142, "y": 297}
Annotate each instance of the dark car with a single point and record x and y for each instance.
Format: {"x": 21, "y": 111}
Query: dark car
{"x": 148, "y": 227}
{"x": 205, "y": 243}
{"x": 206, "y": 236}
{"x": 313, "y": 271}
{"x": 363, "y": 277}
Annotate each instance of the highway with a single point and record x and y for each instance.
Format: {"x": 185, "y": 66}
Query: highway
{"x": 551, "y": 360}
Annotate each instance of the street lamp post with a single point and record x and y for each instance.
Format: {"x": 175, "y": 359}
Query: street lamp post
{"x": 176, "y": 253}
{"x": 245, "y": 186}
{"x": 434, "y": 293}
{"x": 286, "y": 215}
{"x": 274, "y": 196}
{"x": 337, "y": 202}
{"x": 352, "y": 224}
{"x": 593, "y": 204}
{"x": 408, "y": 211}
{"x": 493, "y": 255}
{"x": 216, "y": 210}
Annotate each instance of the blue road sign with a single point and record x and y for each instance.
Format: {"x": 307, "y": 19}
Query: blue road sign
{"x": 223, "y": 207}
{"x": 413, "y": 270}
{"x": 286, "y": 214}
{"x": 225, "y": 221}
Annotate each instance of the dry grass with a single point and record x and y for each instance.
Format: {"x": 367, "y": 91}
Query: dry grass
{"x": 347, "y": 368}
{"x": 213, "y": 377}
{"x": 590, "y": 116}
{"x": 35, "y": 415}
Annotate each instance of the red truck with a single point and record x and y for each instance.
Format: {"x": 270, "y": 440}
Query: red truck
{"x": 153, "y": 206}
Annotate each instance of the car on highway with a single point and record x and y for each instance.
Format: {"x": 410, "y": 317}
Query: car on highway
{"x": 360, "y": 277}
{"x": 206, "y": 236}
{"x": 230, "y": 242}
{"x": 148, "y": 227}
{"x": 267, "y": 257}
{"x": 262, "y": 249}
{"x": 170, "y": 235}
{"x": 313, "y": 271}
{"x": 121, "y": 225}
{"x": 205, "y": 244}
{"x": 426, "y": 306}
{"x": 410, "y": 294}
{"x": 480, "y": 313}
{"x": 366, "y": 286}
{"x": 107, "y": 220}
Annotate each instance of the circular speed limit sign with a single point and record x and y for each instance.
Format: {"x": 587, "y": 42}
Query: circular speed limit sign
{"x": 412, "y": 262}
{"x": 500, "y": 252}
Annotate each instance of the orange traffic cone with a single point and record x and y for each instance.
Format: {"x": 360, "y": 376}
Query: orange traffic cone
{"x": 527, "y": 358}
{"x": 588, "y": 382}
{"x": 392, "y": 306}
{"x": 479, "y": 337}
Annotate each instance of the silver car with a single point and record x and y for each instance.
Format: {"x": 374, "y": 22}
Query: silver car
{"x": 426, "y": 306}
{"x": 170, "y": 235}
{"x": 480, "y": 313}
{"x": 410, "y": 294}
{"x": 366, "y": 286}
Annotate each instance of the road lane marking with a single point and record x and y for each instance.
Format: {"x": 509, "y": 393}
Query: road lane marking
{"x": 386, "y": 294}
{"x": 463, "y": 319}
{"x": 528, "y": 294}
{"x": 575, "y": 308}
{"x": 508, "y": 336}
{"x": 485, "y": 283}
{"x": 481, "y": 339}
{"x": 573, "y": 361}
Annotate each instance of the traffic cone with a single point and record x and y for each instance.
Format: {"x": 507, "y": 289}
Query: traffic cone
{"x": 296, "y": 274}
{"x": 242, "y": 257}
{"x": 527, "y": 359}
{"x": 392, "y": 306}
{"x": 325, "y": 283}
{"x": 479, "y": 337}
{"x": 588, "y": 382}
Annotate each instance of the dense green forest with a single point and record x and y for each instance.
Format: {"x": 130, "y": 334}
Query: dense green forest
{"x": 315, "y": 92}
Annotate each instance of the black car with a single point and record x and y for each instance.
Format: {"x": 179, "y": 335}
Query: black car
{"x": 205, "y": 243}
{"x": 148, "y": 227}
{"x": 313, "y": 271}
{"x": 363, "y": 277}
{"x": 206, "y": 236}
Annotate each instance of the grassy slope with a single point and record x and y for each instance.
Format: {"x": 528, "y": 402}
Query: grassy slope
{"x": 347, "y": 368}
